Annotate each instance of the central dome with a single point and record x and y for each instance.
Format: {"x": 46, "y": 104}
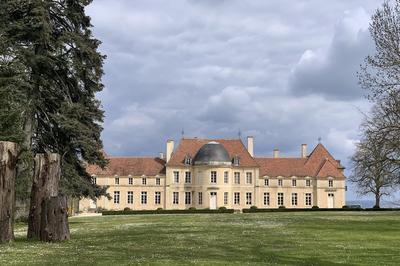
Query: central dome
{"x": 212, "y": 153}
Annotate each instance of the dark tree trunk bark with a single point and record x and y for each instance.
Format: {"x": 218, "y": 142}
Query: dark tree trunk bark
{"x": 377, "y": 201}
{"x": 8, "y": 163}
{"x": 54, "y": 219}
{"x": 45, "y": 185}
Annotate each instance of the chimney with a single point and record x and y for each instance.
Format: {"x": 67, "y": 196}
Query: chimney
{"x": 170, "y": 149}
{"x": 276, "y": 153}
{"x": 303, "y": 150}
{"x": 161, "y": 155}
{"x": 250, "y": 145}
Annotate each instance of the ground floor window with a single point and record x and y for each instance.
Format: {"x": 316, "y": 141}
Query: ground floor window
{"x": 248, "y": 198}
{"x": 175, "y": 197}
{"x": 280, "y": 199}
{"x": 130, "y": 197}
{"x": 200, "y": 198}
{"x": 188, "y": 197}
{"x": 308, "y": 199}
{"x": 157, "y": 197}
{"x": 116, "y": 197}
{"x": 266, "y": 198}
{"x": 294, "y": 199}
{"x": 236, "y": 198}
{"x": 143, "y": 197}
{"x": 225, "y": 198}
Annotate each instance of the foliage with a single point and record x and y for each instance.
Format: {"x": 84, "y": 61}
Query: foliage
{"x": 50, "y": 56}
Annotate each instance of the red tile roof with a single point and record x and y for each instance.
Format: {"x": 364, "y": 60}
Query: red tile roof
{"x": 191, "y": 146}
{"x": 135, "y": 166}
{"x": 319, "y": 163}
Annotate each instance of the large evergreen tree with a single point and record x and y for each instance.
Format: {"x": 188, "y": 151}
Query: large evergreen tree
{"x": 57, "y": 71}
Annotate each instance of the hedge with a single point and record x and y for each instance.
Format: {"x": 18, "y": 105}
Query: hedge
{"x": 191, "y": 211}
{"x": 317, "y": 209}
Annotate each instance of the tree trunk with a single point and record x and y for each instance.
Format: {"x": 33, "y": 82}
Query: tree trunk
{"x": 45, "y": 185}
{"x": 54, "y": 219}
{"x": 377, "y": 200}
{"x": 8, "y": 162}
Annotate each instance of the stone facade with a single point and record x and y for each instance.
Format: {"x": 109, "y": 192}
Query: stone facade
{"x": 227, "y": 174}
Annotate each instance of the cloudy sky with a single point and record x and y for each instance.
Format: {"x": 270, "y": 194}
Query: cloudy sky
{"x": 282, "y": 71}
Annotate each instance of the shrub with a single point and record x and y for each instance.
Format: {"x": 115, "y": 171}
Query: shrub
{"x": 192, "y": 208}
{"x": 127, "y": 209}
{"x": 159, "y": 209}
{"x": 253, "y": 207}
{"x": 282, "y": 207}
{"x": 314, "y": 207}
{"x": 222, "y": 208}
{"x": 345, "y": 207}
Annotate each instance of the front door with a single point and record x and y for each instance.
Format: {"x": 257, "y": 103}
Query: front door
{"x": 213, "y": 200}
{"x": 331, "y": 198}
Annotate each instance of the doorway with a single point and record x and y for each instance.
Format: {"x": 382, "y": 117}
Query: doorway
{"x": 331, "y": 200}
{"x": 213, "y": 200}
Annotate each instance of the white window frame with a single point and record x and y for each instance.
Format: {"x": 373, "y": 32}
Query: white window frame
{"x": 117, "y": 197}
{"x": 158, "y": 181}
{"x": 188, "y": 197}
{"x": 144, "y": 181}
{"x": 308, "y": 199}
{"x": 200, "y": 198}
{"x": 129, "y": 197}
{"x": 188, "y": 177}
{"x": 281, "y": 199}
{"x": 294, "y": 182}
{"x": 280, "y": 182}
{"x": 236, "y": 177}
{"x": 176, "y": 177}
{"x": 249, "y": 178}
{"x": 116, "y": 180}
{"x": 226, "y": 177}
{"x": 308, "y": 183}
{"x": 143, "y": 197}
{"x": 248, "y": 198}
{"x": 226, "y": 198}
{"x": 213, "y": 177}
{"x": 157, "y": 197}
{"x": 130, "y": 180}
{"x": 236, "y": 198}
{"x": 294, "y": 199}
{"x": 266, "y": 199}
{"x": 330, "y": 182}
{"x": 175, "y": 198}
{"x": 266, "y": 182}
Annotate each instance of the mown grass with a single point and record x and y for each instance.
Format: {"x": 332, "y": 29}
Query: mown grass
{"x": 304, "y": 238}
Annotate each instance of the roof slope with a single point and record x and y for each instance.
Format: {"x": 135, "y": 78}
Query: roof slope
{"x": 135, "y": 166}
{"x": 190, "y": 147}
{"x": 320, "y": 163}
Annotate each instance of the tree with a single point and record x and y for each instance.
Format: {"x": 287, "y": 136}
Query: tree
{"x": 371, "y": 171}
{"x": 380, "y": 75}
{"x": 58, "y": 75}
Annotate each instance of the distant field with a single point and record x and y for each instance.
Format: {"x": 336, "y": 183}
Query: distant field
{"x": 304, "y": 238}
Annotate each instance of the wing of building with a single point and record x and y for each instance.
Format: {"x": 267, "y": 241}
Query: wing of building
{"x": 213, "y": 173}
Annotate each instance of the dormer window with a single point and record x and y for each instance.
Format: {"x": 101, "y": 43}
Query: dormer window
{"x": 188, "y": 160}
{"x": 236, "y": 160}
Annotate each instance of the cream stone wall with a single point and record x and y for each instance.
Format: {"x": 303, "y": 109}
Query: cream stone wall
{"x": 201, "y": 182}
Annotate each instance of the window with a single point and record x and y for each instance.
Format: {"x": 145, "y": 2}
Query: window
{"x": 236, "y": 160}
{"x": 116, "y": 180}
{"x": 176, "y": 177}
{"x": 225, "y": 198}
{"x": 144, "y": 197}
{"x": 175, "y": 197}
{"x": 330, "y": 183}
{"x": 236, "y": 198}
{"x": 130, "y": 197}
{"x": 248, "y": 198}
{"x": 226, "y": 177}
{"x": 157, "y": 197}
{"x": 266, "y": 182}
{"x": 144, "y": 181}
{"x": 116, "y": 197}
{"x": 280, "y": 199}
{"x": 188, "y": 197}
{"x": 94, "y": 180}
{"x": 213, "y": 177}
{"x": 308, "y": 199}
{"x": 200, "y": 198}
{"x": 266, "y": 198}
{"x": 294, "y": 182}
{"x": 249, "y": 178}
{"x": 188, "y": 160}
{"x": 308, "y": 182}
{"x": 280, "y": 181}
{"x": 130, "y": 181}
{"x": 158, "y": 181}
{"x": 237, "y": 177}
{"x": 188, "y": 177}
{"x": 294, "y": 199}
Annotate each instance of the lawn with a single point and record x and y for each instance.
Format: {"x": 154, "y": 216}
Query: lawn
{"x": 303, "y": 238}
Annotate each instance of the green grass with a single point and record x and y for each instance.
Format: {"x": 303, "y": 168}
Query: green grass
{"x": 304, "y": 238}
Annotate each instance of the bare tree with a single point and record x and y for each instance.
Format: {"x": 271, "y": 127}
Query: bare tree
{"x": 371, "y": 170}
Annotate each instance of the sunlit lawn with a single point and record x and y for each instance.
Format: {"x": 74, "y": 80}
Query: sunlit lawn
{"x": 306, "y": 238}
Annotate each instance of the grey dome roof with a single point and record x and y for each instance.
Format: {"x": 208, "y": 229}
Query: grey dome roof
{"x": 212, "y": 153}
